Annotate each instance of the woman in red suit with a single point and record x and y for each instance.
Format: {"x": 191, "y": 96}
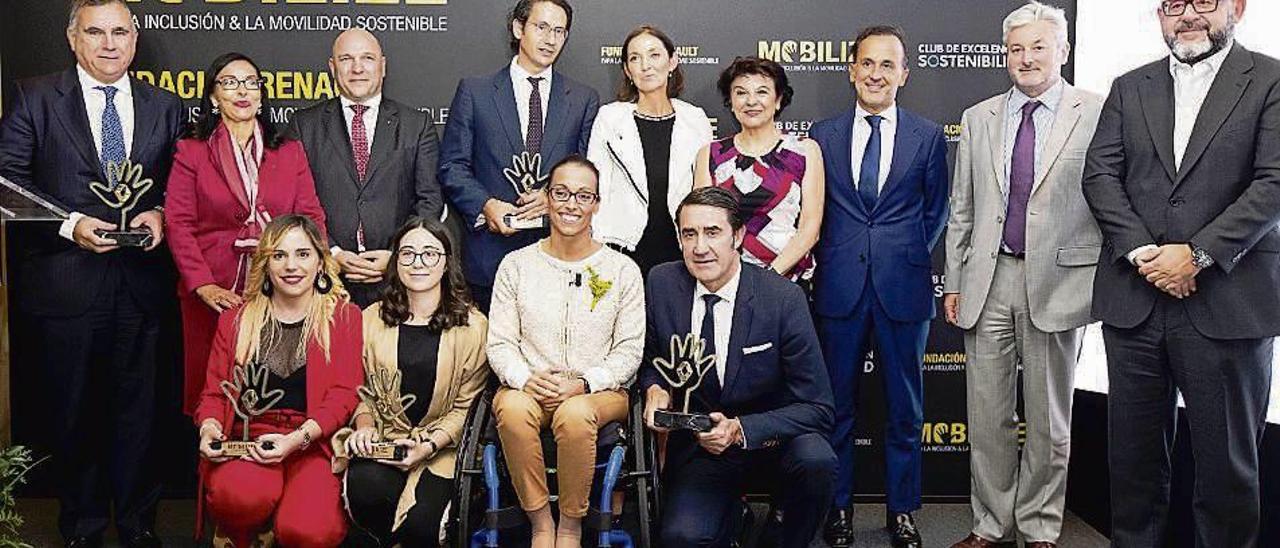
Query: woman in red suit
{"x": 231, "y": 175}
{"x": 297, "y": 328}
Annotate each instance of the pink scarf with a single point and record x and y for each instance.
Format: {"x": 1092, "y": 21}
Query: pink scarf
{"x": 239, "y": 166}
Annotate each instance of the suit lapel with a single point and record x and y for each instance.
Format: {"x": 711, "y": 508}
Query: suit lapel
{"x": 1224, "y": 94}
{"x": 557, "y": 106}
{"x": 144, "y": 120}
{"x": 446, "y": 366}
{"x": 384, "y": 139}
{"x": 995, "y": 136}
{"x": 1156, "y": 101}
{"x": 742, "y": 314}
{"x": 1064, "y": 122}
{"x": 842, "y": 188}
{"x": 504, "y": 102}
{"x": 75, "y": 119}
{"x": 336, "y": 131}
{"x": 906, "y": 144}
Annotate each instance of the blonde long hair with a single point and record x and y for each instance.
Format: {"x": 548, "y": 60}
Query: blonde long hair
{"x": 257, "y": 309}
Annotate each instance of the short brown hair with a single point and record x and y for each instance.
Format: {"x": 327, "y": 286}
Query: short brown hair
{"x": 881, "y": 30}
{"x": 521, "y": 13}
{"x": 627, "y": 91}
{"x": 748, "y": 66}
{"x": 717, "y": 197}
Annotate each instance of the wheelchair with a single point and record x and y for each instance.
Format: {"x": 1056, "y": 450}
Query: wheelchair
{"x": 485, "y": 510}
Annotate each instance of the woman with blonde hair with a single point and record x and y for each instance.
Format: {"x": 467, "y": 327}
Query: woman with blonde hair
{"x": 295, "y": 343}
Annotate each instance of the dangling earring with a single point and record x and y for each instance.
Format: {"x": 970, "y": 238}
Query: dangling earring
{"x": 267, "y": 289}
{"x": 259, "y": 109}
{"x": 215, "y": 108}
{"x": 324, "y": 284}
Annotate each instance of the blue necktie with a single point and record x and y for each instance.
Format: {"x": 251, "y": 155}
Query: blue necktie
{"x": 710, "y": 387}
{"x": 869, "y": 173}
{"x": 112, "y": 135}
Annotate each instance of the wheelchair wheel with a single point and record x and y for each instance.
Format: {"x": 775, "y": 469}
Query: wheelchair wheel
{"x": 467, "y": 471}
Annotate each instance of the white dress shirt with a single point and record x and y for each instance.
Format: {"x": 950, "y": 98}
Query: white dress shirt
{"x": 520, "y": 83}
{"x": 370, "y": 117}
{"x": 862, "y": 133}
{"x": 723, "y": 317}
{"x": 1191, "y": 85}
{"x": 95, "y": 103}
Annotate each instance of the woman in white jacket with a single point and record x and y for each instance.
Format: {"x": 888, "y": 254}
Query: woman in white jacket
{"x": 644, "y": 145}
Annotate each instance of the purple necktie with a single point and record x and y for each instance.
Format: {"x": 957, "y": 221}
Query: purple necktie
{"x": 1022, "y": 173}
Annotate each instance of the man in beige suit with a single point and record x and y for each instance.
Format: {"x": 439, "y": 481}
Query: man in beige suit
{"x": 1022, "y": 246}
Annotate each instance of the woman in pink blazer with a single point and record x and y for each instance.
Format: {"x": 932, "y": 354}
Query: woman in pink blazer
{"x": 231, "y": 175}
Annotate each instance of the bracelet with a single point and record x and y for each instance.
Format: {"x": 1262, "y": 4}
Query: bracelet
{"x": 586, "y": 386}
{"x": 306, "y": 438}
{"x": 434, "y": 447}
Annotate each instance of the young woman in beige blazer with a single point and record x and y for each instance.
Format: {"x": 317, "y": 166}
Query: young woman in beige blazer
{"x": 424, "y": 360}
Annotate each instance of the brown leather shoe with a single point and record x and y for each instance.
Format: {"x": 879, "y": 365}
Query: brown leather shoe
{"x": 1042, "y": 544}
{"x": 975, "y": 541}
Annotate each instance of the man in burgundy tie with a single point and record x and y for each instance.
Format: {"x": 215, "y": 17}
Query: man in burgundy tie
{"x": 527, "y": 107}
{"x": 1021, "y": 252}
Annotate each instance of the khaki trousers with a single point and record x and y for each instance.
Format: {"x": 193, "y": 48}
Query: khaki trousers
{"x": 575, "y": 424}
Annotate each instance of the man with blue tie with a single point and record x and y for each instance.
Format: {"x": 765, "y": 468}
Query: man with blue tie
{"x": 886, "y": 206}
{"x": 526, "y": 107}
{"x": 97, "y": 305}
{"x": 766, "y": 391}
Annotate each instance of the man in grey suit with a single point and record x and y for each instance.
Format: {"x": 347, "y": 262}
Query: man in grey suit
{"x": 1183, "y": 176}
{"x": 1021, "y": 251}
{"x": 374, "y": 162}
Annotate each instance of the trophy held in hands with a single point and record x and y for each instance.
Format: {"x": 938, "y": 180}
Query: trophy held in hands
{"x": 684, "y": 373}
{"x": 250, "y": 398}
{"x": 524, "y": 177}
{"x": 125, "y": 188}
{"x": 382, "y": 395}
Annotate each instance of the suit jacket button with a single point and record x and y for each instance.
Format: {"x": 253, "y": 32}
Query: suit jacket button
{"x": 1000, "y": 219}
{"x": 1176, "y": 202}
{"x": 993, "y": 255}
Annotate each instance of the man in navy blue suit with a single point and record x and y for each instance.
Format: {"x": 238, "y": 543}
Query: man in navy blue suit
{"x": 524, "y": 107}
{"x": 767, "y": 392}
{"x": 886, "y": 206}
{"x": 97, "y": 304}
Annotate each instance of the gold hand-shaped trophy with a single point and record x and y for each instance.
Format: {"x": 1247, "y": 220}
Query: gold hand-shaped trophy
{"x": 524, "y": 177}
{"x": 250, "y": 398}
{"x": 684, "y": 373}
{"x": 123, "y": 196}
{"x": 382, "y": 396}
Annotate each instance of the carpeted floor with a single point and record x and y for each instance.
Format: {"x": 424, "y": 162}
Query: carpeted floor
{"x": 940, "y": 524}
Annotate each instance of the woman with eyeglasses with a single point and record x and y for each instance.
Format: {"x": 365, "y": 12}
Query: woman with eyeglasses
{"x": 424, "y": 361}
{"x": 645, "y": 145}
{"x": 232, "y": 173}
{"x": 566, "y": 335}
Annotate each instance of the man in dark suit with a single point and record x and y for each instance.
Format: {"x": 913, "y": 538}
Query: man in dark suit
{"x": 873, "y": 272}
{"x": 97, "y": 303}
{"x": 766, "y": 391}
{"x": 1183, "y": 176}
{"x": 374, "y": 161}
{"x": 526, "y": 107}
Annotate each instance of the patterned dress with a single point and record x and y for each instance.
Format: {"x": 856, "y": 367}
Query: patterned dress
{"x": 768, "y": 189}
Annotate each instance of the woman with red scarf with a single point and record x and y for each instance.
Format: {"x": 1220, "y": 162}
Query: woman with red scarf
{"x": 231, "y": 175}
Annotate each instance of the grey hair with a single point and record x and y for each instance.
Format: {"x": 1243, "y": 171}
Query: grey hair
{"x": 1035, "y": 11}
{"x": 77, "y": 5}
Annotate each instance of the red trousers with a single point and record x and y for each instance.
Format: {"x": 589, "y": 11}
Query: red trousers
{"x": 302, "y": 494}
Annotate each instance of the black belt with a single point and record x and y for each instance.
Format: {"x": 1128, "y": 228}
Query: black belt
{"x": 1014, "y": 255}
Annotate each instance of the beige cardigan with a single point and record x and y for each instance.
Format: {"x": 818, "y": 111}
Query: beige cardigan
{"x": 460, "y": 376}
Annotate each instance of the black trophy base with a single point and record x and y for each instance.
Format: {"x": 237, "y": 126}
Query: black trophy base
{"x": 672, "y": 420}
{"x": 524, "y": 224}
{"x": 238, "y": 448}
{"x": 388, "y": 451}
{"x": 127, "y": 238}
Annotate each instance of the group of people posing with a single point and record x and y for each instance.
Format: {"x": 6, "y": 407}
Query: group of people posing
{"x": 317, "y": 273}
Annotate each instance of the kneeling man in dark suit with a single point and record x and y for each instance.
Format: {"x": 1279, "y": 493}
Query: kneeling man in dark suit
{"x": 767, "y": 394}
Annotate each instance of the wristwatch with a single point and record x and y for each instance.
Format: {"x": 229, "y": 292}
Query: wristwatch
{"x": 1200, "y": 257}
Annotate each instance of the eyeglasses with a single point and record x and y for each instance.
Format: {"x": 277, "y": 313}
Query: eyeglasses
{"x": 430, "y": 257}
{"x": 231, "y": 83}
{"x": 583, "y": 197}
{"x": 1175, "y": 8}
{"x": 544, "y": 28}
